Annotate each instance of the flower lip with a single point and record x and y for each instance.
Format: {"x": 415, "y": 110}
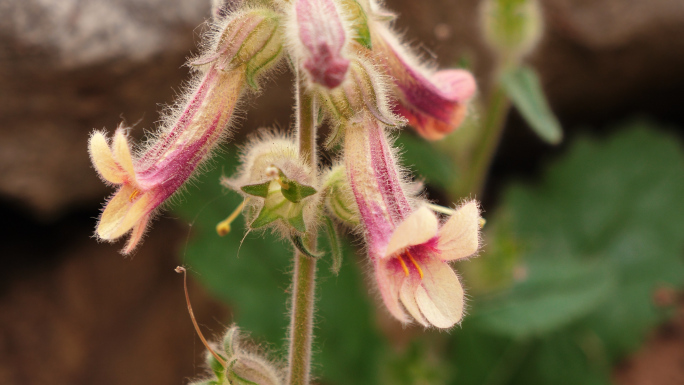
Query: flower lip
{"x": 418, "y": 228}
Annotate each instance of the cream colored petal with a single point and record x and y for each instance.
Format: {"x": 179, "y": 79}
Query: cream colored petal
{"x": 460, "y": 235}
{"x": 103, "y": 159}
{"x": 440, "y": 295}
{"x": 136, "y": 235}
{"x": 389, "y": 284}
{"x": 137, "y": 211}
{"x": 122, "y": 153}
{"x": 408, "y": 299}
{"x": 114, "y": 212}
{"x": 417, "y": 228}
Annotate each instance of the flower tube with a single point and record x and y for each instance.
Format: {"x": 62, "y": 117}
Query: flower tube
{"x": 408, "y": 248}
{"x": 147, "y": 180}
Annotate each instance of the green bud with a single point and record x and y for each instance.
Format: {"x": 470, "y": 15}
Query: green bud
{"x": 339, "y": 198}
{"x": 512, "y": 27}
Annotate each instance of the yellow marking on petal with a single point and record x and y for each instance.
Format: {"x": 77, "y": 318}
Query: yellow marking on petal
{"x": 134, "y": 195}
{"x": 403, "y": 265}
{"x": 415, "y": 264}
{"x": 223, "y": 228}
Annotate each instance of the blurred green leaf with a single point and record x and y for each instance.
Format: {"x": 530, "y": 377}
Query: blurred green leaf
{"x": 523, "y": 87}
{"x": 594, "y": 240}
{"x": 255, "y": 283}
{"x": 421, "y": 156}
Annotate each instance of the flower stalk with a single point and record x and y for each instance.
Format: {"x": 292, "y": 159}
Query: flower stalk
{"x": 304, "y": 275}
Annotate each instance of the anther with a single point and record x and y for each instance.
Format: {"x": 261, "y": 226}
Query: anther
{"x": 223, "y": 227}
{"x": 181, "y": 269}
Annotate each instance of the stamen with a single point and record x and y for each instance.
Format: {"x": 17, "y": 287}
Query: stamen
{"x": 420, "y": 271}
{"x": 441, "y": 209}
{"x": 181, "y": 269}
{"x": 223, "y": 228}
{"x": 403, "y": 265}
{"x": 134, "y": 195}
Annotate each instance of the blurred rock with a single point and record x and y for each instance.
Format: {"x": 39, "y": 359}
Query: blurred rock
{"x": 97, "y": 318}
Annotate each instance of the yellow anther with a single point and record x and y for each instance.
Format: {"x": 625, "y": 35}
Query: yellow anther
{"x": 482, "y": 222}
{"x": 403, "y": 265}
{"x": 134, "y": 195}
{"x": 223, "y": 228}
{"x": 282, "y": 184}
{"x": 420, "y": 271}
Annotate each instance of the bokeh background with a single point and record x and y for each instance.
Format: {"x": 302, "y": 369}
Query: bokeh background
{"x": 580, "y": 281}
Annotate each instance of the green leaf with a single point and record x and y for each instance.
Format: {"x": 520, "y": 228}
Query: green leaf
{"x": 523, "y": 87}
{"x": 265, "y": 217}
{"x": 359, "y": 23}
{"x": 258, "y": 190}
{"x": 556, "y": 293}
{"x": 335, "y": 247}
{"x": 298, "y": 242}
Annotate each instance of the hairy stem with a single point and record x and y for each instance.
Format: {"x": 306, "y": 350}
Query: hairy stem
{"x": 304, "y": 277}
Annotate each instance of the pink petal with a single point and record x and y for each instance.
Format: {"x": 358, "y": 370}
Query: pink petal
{"x": 459, "y": 237}
{"x": 440, "y": 296}
{"x": 389, "y": 278}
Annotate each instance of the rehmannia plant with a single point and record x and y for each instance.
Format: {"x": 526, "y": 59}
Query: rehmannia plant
{"x": 353, "y": 73}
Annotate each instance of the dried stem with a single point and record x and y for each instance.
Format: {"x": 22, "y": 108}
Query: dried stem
{"x": 304, "y": 277}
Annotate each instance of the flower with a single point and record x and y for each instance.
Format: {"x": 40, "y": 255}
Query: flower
{"x": 322, "y": 36}
{"x": 434, "y": 103}
{"x": 147, "y": 181}
{"x": 245, "y": 48}
{"x": 408, "y": 248}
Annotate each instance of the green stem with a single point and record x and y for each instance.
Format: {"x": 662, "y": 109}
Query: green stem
{"x": 485, "y": 148}
{"x": 304, "y": 277}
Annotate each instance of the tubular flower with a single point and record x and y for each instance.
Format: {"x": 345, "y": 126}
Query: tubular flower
{"x": 322, "y": 36}
{"x": 434, "y": 103}
{"x": 147, "y": 180}
{"x": 408, "y": 248}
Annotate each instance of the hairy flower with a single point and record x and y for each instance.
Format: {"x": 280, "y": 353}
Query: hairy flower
{"x": 321, "y": 33}
{"x": 435, "y": 103}
{"x": 408, "y": 248}
{"x": 147, "y": 178}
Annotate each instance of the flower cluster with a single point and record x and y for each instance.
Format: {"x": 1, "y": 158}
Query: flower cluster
{"x": 364, "y": 82}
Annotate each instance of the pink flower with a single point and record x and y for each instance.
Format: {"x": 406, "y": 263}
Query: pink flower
{"x": 322, "y": 35}
{"x": 408, "y": 247}
{"x": 435, "y": 104}
{"x": 148, "y": 180}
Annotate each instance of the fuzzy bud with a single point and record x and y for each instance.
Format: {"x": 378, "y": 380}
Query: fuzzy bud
{"x": 339, "y": 198}
{"x": 242, "y": 366}
{"x": 248, "y": 38}
{"x": 361, "y": 91}
{"x": 277, "y": 184}
{"x": 322, "y": 36}
{"x": 512, "y": 27}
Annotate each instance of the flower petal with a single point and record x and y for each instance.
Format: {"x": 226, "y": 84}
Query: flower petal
{"x": 103, "y": 159}
{"x": 440, "y": 296}
{"x": 408, "y": 298}
{"x": 122, "y": 153}
{"x": 460, "y": 235}
{"x": 389, "y": 280}
{"x": 419, "y": 227}
{"x": 120, "y": 214}
{"x": 136, "y": 235}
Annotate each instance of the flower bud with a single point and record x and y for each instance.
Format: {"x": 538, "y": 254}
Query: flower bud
{"x": 435, "y": 103}
{"x": 322, "y": 37}
{"x": 511, "y": 27}
{"x": 249, "y": 38}
{"x": 277, "y": 185}
{"x": 363, "y": 90}
{"x": 240, "y": 365}
{"x": 339, "y": 198}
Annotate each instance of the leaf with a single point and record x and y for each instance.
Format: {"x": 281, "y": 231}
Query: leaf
{"x": 556, "y": 293}
{"x": 523, "y": 87}
{"x": 259, "y": 190}
{"x": 335, "y": 247}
